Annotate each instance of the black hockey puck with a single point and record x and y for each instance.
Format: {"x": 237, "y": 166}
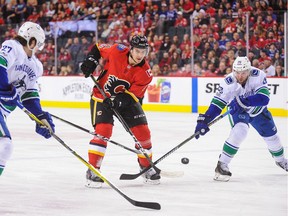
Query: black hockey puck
{"x": 185, "y": 160}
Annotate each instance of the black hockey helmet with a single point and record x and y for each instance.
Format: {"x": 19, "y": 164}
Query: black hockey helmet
{"x": 139, "y": 41}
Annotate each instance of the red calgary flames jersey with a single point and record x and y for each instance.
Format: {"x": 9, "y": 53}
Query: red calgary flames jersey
{"x": 118, "y": 75}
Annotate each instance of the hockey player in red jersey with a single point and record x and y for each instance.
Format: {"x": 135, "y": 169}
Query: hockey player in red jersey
{"x": 124, "y": 79}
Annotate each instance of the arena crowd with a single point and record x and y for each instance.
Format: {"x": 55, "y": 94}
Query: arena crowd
{"x": 219, "y": 32}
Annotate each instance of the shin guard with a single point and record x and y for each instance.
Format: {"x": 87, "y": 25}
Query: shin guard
{"x": 142, "y": 133}
{"x": 97, "y": 146}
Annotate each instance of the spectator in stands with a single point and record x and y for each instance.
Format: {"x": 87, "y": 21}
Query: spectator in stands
{"x": 181, "y": 21}
{"x": 165, "y": 70}
{"x": 222, "y": 42}
{"x": 269, "y": 67}
{"x": 251, "y": 56}
{"x": 221, "y": 70}
{"x": 186, "y": 55}
{"x": 74, "y": 50}
{"x": 20, "y": 11}
{"x": 197, "y": 69}
{"x": 166, "y": 44}
{"x": 212, "y": 58}
{"x": 166, "y": 59}
{"x": 239, "y": 50}
{"x": 155, "y": 70}
{"x": 9, "y": 13}
{"x": 174, "y": 69}
{"x": 279, "y": 72}
{"x": 171, "y": 15}
{"x": 176, "y": 59}
{"x": 197, "y": 11}
{"x": 185, "y": 41}
{"x": 34, "y": 16}
{"x": 153, "y": 59}
{"x": 216, "y": 49}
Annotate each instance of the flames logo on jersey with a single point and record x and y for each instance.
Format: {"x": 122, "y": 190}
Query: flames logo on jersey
{"x": 114, "y": 85}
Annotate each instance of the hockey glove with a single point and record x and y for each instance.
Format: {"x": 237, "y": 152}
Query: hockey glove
{"x": 9, "y": 98}
{"x": 202, "y": 125}
{"x": 112, "y": 103}
{"x": 89, "y": 65}
{"x": 49, "y": 127}
{"x": 239, "y": 105}
{"x": 118, "y": 102}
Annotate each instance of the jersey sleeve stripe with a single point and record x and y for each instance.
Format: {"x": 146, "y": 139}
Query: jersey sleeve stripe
{"x": 219, "y": 103}
{"x": 3, "y": 62}
{"x": 263, "y": 91}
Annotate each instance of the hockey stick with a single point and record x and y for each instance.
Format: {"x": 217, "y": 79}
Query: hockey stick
{"x": 134, "y": 176}
{"x": 117, "y": 114}
{"x": 150, "y": 205}
{"x": 97, "y": 135}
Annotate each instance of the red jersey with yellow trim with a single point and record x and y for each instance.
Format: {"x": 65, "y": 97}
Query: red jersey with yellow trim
{"x": 118, "y": 75}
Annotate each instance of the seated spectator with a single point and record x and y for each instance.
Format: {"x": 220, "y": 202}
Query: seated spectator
{"x": 34, "y": 16}
{"x": 185, "y": 41}
{"x": 153, "y": 59}
{"x": 155, "y": 70}
{"x": 255, "y": 63}
{"x": 165, "y": 60}
{"x": 269, "y": 68}
{"x": 174, "y": 69}
{"x": 228, "y": 70}
{"x": 197, "y": 69}
{"x": 223, "y": 40}
{"x": 221, "y": 71}
{"x": 188, "y": 8}
{"x": 186, "y": 55}
{"x": 239, "y": 50}
{"x": 180, "y": 21}
{"x": 176, "y": 59}
{"x": 279, "y": 72}
{"x": 20, "y": 11}
{"x": 165, "y": 70}
{"x": 165, "y": 46}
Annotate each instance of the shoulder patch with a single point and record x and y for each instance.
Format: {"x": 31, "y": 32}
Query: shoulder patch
{"x": 149, "y": 73}
{"x": 255, "y": 72}
{"x": 104, "y": 46}
{"x": 121, "y": 47}
{"x": 228, "y": 80}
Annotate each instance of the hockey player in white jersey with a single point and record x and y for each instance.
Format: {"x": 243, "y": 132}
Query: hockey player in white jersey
{"x": 246, "y": 94}
{"x": 19, "y": 71}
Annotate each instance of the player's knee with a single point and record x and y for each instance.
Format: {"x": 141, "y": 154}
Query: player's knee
{"x": 104, "y": 129}
{"x": 238, "y": 133}
{"x": 142, "y": 133}
{"x": 6, "y": 149}
{"x": 272, "y": 139}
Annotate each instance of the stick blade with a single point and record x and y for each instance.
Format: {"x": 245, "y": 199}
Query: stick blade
{"x": 167, "y": 174}
{"x": 150, "y": 205}
{"x": 125, "y": 176}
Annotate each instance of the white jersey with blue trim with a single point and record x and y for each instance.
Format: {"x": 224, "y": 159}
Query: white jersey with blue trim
{"x": 22, "y": 71}
{"x": 230, "y": 88}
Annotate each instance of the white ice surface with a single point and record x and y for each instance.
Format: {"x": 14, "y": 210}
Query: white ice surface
{"x": 44, "y": 178}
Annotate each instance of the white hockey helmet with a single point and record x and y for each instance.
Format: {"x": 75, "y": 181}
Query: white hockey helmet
{"x": 241, "y": 64}
{"x": 32, "y": 30}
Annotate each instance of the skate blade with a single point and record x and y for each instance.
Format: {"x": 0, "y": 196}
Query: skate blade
{"x": 151, "y": 182}
{"x": 223, "y": 178}
{"x": 91, "y": 184}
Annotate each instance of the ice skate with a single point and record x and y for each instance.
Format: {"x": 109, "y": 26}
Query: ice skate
{"x": 283, "y": 164}
{"x": 93, "y": 181}
{"x": 222, "y": 172}
{"x": 150, "y": 176}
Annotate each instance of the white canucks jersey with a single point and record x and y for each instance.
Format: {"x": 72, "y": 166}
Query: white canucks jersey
{"x": 230, "y": 88}
{"x": 22, "y": 71}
